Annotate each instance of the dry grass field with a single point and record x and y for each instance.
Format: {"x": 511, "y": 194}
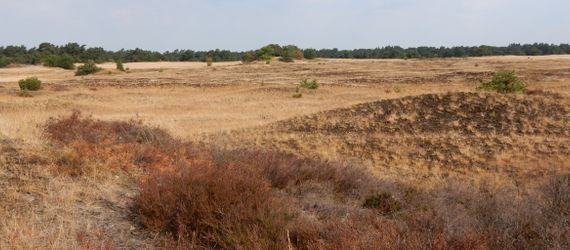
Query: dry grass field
{"x": 450, "y": 167}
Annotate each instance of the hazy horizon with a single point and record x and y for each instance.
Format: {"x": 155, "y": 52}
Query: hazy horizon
{"x": 250, "y": 24}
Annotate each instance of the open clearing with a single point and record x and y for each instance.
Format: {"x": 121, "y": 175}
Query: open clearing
{"x": 419, "y": 122}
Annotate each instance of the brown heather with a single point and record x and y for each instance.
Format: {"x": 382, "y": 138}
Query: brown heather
{"x": 203, "y": 197}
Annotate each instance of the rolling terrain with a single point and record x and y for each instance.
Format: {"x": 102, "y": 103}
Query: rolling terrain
{"x": 406, "y": 146}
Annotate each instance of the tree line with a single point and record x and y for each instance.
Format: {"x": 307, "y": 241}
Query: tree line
{"x": 444, "y": 52}
{"x": 51, "y": 54}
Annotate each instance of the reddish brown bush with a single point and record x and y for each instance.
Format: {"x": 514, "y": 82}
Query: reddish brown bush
{"x": 285, "y": 171}
{"x": 75, "y": 127}
{"x": 212, "y": 206}
{"x": 118, "y": 145}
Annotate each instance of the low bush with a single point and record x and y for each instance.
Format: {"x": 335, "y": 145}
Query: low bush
{"x": 504, "y": 82}
{"x": 31, "y": 83}
{"x": 203, "y": 205}
{"x": 87, "y": 68}
{"x": 120, "y": 66}
{"x": 310, "y": 54}
{"x": 309, "y": 84}
{"x": 61, "y": 61}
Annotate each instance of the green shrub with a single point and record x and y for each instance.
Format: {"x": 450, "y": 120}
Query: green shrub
{"x": 309, "y": 84}
{"x": 120, "y": 65}
{"x": 383, "y": 202}
{"x": 62, "y": 61}
{"x": 4, "y": 62}
{"x": 504, "y": 82}
{"x": 31, "y": 83}
{"x": 310, "y": 53}
{"x": 87, "y": 68}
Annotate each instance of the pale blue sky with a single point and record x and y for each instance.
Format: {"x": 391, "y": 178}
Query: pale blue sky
{"x": 248, "y": 24}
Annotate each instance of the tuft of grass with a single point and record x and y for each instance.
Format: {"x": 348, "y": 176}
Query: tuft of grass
{"x": 297, "y": 93}
{"x": 504, "y": 82}
{"x": 309, "y": 84}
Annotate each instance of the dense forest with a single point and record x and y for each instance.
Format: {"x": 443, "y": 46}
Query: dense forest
{"x": 49, "y": 54}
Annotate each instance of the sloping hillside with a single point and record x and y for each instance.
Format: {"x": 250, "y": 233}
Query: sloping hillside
{"x": 453, "y": 131}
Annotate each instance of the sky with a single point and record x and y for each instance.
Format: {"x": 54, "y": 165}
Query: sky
{"x": 249, "y": 24}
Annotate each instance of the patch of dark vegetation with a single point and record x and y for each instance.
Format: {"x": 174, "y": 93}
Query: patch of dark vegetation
{"x": 87, "y": 68}
{"x": 464, "y": 113}
{"x": 61, "y": 61}
{"x": 31, "y": 83}
{"x": 383, "y": 202}
{"x": 205, "y": 197}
